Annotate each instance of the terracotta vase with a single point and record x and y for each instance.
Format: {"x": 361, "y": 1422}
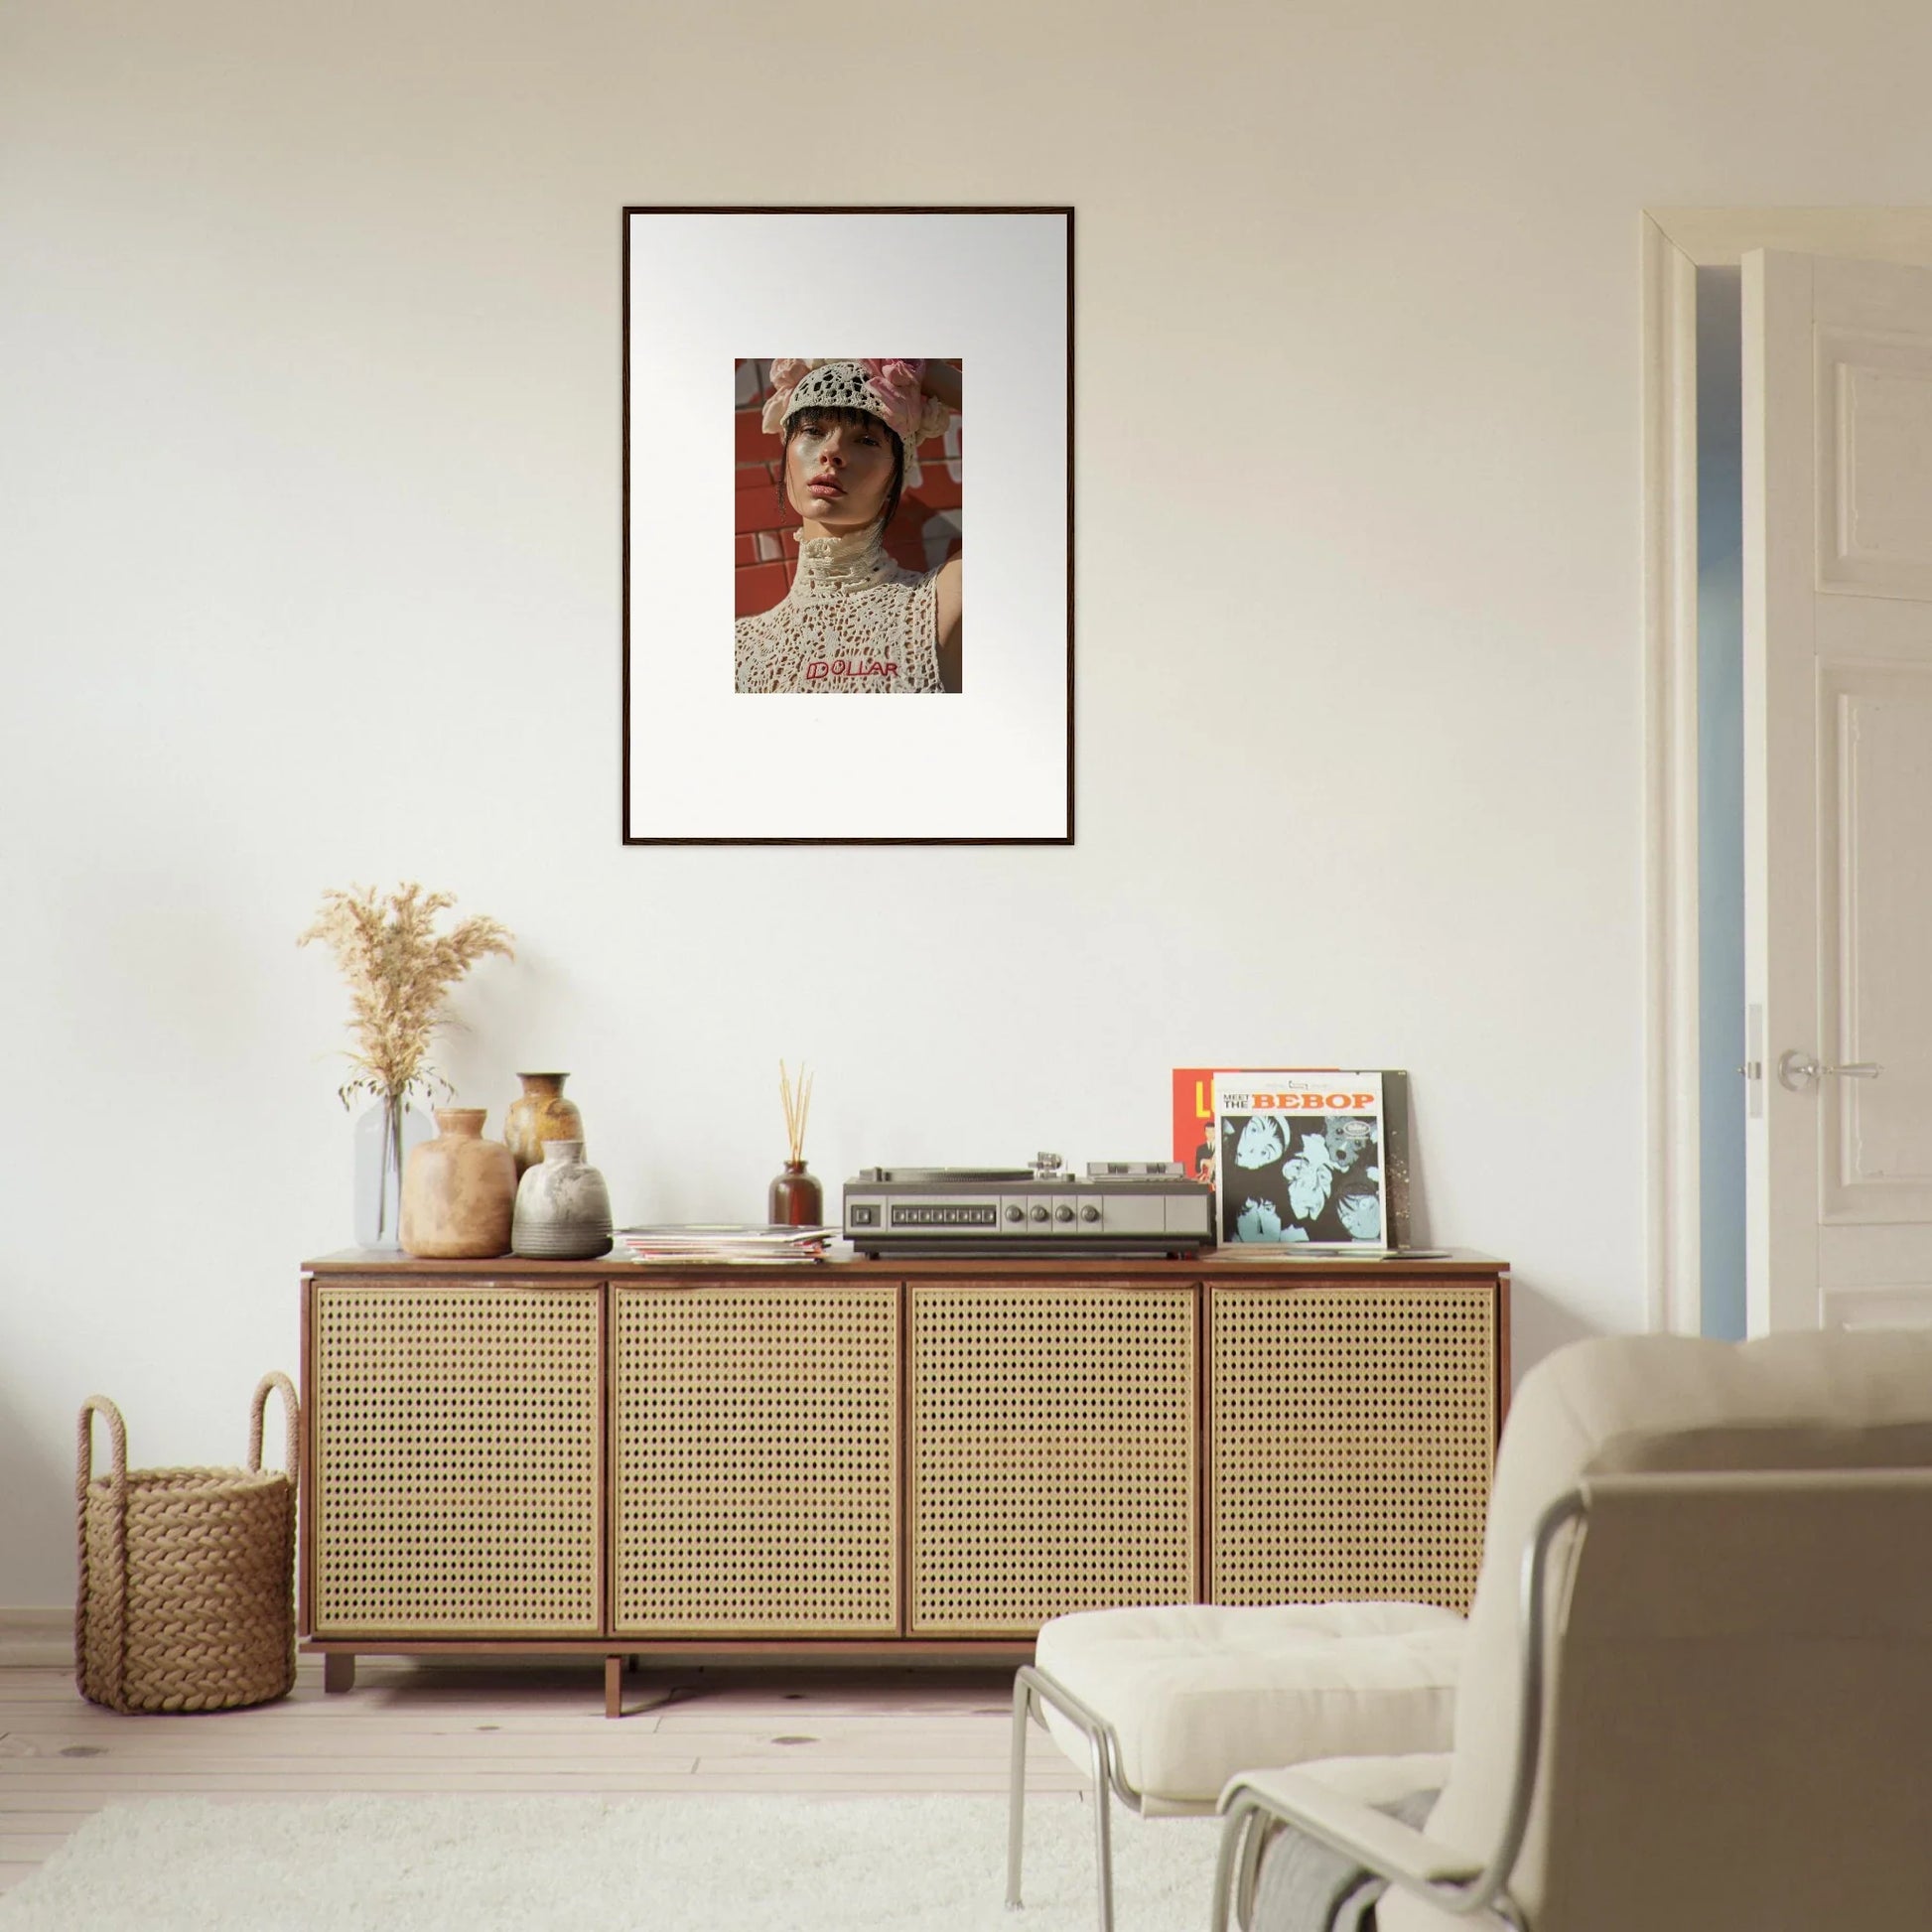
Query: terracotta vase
{"x": 563, "y": 1209}
{"x": 539, "y": 1114}
{"x": 458, "y": 1190}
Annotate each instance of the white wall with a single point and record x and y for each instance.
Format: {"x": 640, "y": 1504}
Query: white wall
{"x": 309, "y": 574}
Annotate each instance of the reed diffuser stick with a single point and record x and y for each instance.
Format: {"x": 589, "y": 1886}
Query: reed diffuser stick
{"x": 798, "y": 1103}
{"x": 794, "y": 1198}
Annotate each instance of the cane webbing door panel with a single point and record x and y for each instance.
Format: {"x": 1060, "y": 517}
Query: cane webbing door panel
{"x": 756, "y": 1459}
{"x": 455, "y": 1486}
{"x": 1351, "y": 1437}
{"x": 1053, "y": 1432}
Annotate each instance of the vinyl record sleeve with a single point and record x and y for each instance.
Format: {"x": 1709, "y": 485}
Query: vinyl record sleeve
{"x": 1314, "y": 1156}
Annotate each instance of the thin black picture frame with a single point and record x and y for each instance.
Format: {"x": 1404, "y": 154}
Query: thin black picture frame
{"x": 632, "y": 835}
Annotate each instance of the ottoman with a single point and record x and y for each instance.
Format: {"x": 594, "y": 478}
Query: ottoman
{"x": 1164, "y": 1705}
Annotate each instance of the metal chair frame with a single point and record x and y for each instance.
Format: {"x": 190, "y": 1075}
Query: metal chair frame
{"x": 1253, "y": 1817}
{"x": 1032, "y": 1687}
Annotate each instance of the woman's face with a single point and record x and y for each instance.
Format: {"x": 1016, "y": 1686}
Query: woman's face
{"x": 837, "y": 472}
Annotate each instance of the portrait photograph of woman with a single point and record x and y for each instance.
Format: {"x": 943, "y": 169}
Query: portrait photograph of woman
{"x": 847, "y": 534}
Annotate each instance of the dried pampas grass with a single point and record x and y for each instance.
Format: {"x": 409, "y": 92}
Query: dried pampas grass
{"x": 399, "y": 969}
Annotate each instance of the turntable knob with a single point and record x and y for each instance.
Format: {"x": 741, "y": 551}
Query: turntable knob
{"x": 1040, "y": 1214}
{"x": 1062, "y": 1212}
{"x": 1090, "y": 1212}
{"x": 1015, "y": 1212}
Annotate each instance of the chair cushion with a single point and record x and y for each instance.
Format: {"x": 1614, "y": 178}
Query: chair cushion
{"x": 1196, "y": 1692}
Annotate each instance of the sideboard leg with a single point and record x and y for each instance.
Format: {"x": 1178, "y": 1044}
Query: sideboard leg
{"x": 614, "y": 1687}
{"x": 339, "y": 1669}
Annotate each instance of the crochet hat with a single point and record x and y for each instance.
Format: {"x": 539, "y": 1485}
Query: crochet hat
{"x": 885, "y": 387}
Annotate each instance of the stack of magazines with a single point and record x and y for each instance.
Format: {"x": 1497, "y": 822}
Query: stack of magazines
{"x": 710, "y": 1241}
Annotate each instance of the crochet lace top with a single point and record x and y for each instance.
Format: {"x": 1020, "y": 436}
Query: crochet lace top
{"x": 853, "y": 621}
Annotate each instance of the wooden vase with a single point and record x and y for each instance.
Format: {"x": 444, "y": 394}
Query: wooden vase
{"x": 459, "y": 1192}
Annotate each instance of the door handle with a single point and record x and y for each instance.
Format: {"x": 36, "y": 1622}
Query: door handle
{"x": 1798, "y": 1070}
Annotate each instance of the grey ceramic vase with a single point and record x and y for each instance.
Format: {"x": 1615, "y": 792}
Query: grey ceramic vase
{"x": 563, "y": 1209}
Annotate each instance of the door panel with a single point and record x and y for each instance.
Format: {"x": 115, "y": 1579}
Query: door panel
{"x": 755, "y": 1465}
{"x": 1874, "y": 501}
{"x": 1351, "y": 1439}
{"x": 1838, "y": 626}
{"x": 1877, "y": 1135}
{"x": 1055, "y": 1452}
{"x": 454, "y": 1489}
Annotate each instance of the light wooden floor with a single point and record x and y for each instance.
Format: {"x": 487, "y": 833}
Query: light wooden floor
{"x": 443, "y": 1727}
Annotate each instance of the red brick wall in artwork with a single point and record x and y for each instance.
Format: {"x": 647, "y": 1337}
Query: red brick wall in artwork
{"x": 925, "y": 532}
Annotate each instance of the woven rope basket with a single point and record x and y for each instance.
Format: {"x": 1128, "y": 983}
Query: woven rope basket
{"x": 187, "y": 1598}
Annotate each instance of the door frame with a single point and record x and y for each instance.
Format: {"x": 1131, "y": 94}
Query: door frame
{"x": 1675, "y": 244}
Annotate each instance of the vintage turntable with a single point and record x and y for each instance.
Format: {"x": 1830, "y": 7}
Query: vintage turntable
{"x": 1118, "y": 1207}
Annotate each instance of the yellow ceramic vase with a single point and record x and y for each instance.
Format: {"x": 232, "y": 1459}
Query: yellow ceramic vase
{"x": 459, "y": 1192}
{"x": 540, "y": 1114}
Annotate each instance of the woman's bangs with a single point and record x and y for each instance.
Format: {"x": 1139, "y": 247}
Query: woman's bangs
{"x": 838, "y": 412}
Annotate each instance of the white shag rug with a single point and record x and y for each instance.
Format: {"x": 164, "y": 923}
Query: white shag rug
{"x": 619, "y": 1865}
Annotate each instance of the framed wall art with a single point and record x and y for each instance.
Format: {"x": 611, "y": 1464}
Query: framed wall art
{"x": 815, "y": 648}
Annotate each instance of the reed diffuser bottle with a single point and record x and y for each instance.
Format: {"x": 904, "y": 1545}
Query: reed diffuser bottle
{"x": 795, "y": 1199}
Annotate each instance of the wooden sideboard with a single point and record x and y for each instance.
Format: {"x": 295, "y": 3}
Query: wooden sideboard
{"x": 902, "y": 1458}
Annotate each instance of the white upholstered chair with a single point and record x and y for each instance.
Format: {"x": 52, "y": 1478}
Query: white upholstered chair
{"x": 1163, "y": 1705}
{"x": 1698, "y": 1687}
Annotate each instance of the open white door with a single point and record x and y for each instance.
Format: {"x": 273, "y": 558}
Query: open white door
{"x": 1838, "y": 790}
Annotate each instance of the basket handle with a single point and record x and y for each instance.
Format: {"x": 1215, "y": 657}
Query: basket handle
{"x": 274, "y": 1379}
{"x": 116, "y": 1578}
{"x": 117, "y": 1436}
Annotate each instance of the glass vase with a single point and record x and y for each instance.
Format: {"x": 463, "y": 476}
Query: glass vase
{"x": 795, "y": 1199}
{"x": 385, "y": 1134}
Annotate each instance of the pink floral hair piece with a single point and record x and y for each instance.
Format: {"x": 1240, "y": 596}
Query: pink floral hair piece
{"x": 889, "y": 387}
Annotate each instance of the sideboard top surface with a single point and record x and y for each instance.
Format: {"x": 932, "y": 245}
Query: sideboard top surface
{"x": 1217, "y": 1265}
